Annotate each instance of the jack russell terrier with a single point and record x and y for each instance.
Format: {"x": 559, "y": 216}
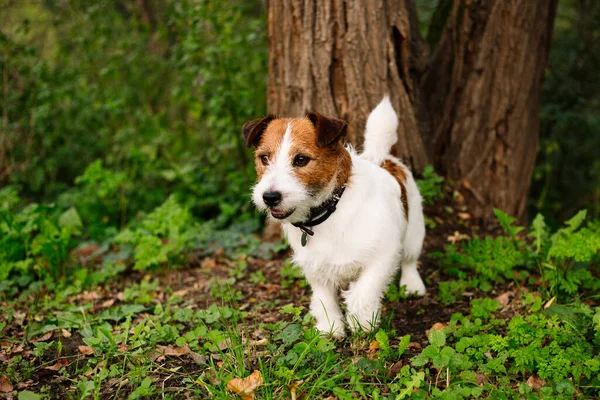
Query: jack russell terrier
{"x": 352, "y": 219}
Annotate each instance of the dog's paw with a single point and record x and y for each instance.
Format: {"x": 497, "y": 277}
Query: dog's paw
{"x": 363, "y": 325}
{"x": 414, "y": 285}
{"x": 335, "y": 329}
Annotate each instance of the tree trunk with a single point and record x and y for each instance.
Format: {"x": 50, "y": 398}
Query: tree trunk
{"x": 483, "y": 95}
{"x": 340, "y": 57}
{"x": 470, "y": 108}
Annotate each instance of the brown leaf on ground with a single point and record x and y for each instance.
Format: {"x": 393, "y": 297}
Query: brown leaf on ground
{"x": 464, "y": 215}
{"x": 437, "y": 325}
{"x": 85, "y": 350}
{"x": 245, "y": 387}
{"x": 107, "y": 303}
{"x": 414, "y": 345}
{"x": 42, "y": 338}
{"x": 535, "y": 382}
{"x": 394, "y": 369}
{"x": 504, "y": 299}
{"x": 480, "y": 378}
{"x": 65, "y": 333}
{"x": 173, "y": 350}
{"x": 59, "y": 364}
{"x": 457, "y": 237}
{"x": 5, "y": 385}
{"x": 208, "y": 263}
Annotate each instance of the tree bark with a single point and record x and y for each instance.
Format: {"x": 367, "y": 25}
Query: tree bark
{"x": 470, "y": 108}
{"x": 340, "y": 57}
{"x": 483, "y": 95}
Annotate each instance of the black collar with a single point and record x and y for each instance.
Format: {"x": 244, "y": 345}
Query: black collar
{"x": 319, "y": 214}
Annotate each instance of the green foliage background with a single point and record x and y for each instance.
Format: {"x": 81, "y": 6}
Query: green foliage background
{"x": 158, "y": 95}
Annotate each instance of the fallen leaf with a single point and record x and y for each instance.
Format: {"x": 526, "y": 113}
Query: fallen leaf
{"x": 5, "y": 385}
{"x": 457, "y": 237}
{"x": 66, "y": 333}
{"x": 374, "y": 345}
{"x": 414, "y": 345}
{"x": 481, "y": 379}
{"x": 504, "y": 299}
{"x": 394, "y": 369}
{"x": 550, "y": 302}
{"x": 535, "y": 382}
{"x": 225, "y": 344}
{"x": 107, "y": 303}
{"x": 245, "y": 387}
{"x": 208, "y": 263}
{"x": 464, "y": 215}
{"x": 199, "y": 359}
{"x": 173, "y": 350}
{"x": 85, "y": 350}
{"x": 42, "y": 338}
{"x": 59, "y": 364}
{"x": 437, "y": 325}
{"x": 123, "y": 348}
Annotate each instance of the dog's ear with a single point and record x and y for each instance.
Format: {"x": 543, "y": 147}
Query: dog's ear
{"x": 329, "y": 130}
{"x": 253, "y": 130}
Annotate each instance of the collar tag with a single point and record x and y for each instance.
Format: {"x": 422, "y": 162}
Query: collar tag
{"x": 319, "y": 214}
{"x": 304, "y": 239}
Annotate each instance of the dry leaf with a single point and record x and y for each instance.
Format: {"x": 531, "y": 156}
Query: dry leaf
{"x": 504, "y": 299}
{"x": 550, "y": 302}
{"x": 394, "y": 369}
{"x": 42, "y": 338}
{"x": 374, "y": 345}
{"x": 107, "y": 303}
{"x": 535, "y": 382}
{"x": 457, "y": 237}
{"x": 464, "y": 215}
{"x": 173, "y": 350}
{"x": 437, "y": 325}
{"x": 59, "y": 364}
{"x": 85, "y": 350}
{"x": 5, "y": 385}
{"x": 66, "y": 333}
{"x": 245, "y": 387}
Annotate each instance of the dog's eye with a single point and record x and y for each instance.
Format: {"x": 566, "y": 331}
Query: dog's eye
{"x": 301, "y": 161}
{"x": 264, "y": 159}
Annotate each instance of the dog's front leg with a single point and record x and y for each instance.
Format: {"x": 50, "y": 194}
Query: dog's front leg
{"x": 326, "y": 310}
{"x": 363, "y": 297}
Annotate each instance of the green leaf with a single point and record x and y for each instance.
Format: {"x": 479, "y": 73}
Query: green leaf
{"x": 437, "y": 337}
{"x": 576, "y": 221}
{"x": 538, "y": 231}
{"x": 291, "y": 333}
{"x": 404, "y": 342}
{"x": 382, "y": 338}
{"x": 27, "y": 395}
{"x": 70, "y": 219}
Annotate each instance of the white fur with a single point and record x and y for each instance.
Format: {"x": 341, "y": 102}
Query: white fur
{"x": 364, "y": 242}
{"x": 380, "y": 133}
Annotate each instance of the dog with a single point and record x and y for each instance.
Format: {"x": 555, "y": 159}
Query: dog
{"x": 351, "y": 219}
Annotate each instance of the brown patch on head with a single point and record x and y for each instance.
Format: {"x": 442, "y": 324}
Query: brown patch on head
{"x": 327, "y": 163}
{"x": 400, "y": 175}
{"x": 269, "y": 143}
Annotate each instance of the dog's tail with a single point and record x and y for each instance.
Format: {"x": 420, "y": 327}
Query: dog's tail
{"x": 380, "y": 134}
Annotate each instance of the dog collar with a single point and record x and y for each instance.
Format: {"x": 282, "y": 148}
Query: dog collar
{"x": 319, "y": 214}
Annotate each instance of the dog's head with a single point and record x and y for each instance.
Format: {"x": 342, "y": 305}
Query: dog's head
{"x": 299, "y": 163}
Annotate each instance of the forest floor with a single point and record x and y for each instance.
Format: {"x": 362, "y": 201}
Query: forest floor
{"x": 196, "y": 331}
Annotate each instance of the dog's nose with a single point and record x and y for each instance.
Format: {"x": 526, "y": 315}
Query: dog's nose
{"x": 272, "y": 198}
